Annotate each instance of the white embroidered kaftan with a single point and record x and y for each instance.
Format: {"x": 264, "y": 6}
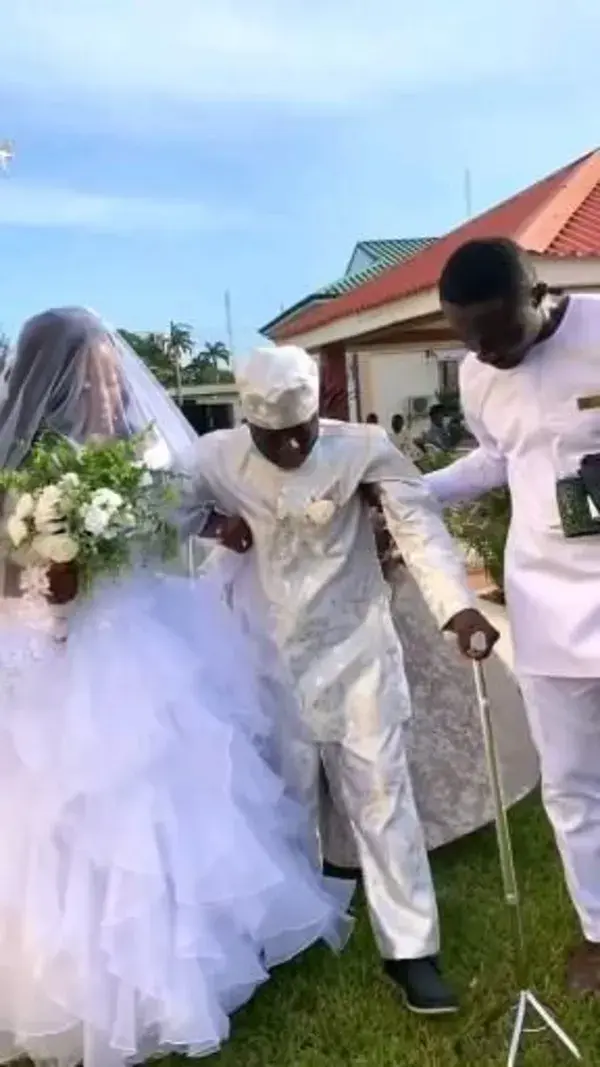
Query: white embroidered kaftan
{"x": 317, "y": 571}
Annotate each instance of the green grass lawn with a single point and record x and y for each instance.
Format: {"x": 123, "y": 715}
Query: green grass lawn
{"x": 322, "y": 1010}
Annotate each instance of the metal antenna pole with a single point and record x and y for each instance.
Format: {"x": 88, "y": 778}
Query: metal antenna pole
{"x": 528, "y": 1005}
{"x": 468, "y": 194}
{"x": 229, "y": 323}
{"x": 7, "y": 154}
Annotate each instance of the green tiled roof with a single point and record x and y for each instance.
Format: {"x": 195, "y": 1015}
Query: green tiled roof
{"x": 387, "y": 253}
{"x": 394, "y": 251}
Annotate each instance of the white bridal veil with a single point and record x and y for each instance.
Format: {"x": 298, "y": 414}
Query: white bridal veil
{"x": 74, "y": 375}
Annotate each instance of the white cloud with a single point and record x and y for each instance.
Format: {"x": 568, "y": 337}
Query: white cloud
{"x": 36, "y": 205}
{"x": 319, "y": 53}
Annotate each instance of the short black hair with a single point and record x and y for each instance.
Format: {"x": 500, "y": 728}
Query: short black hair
{"x": 372, "y": 418}
{"x": 487, "y": 269}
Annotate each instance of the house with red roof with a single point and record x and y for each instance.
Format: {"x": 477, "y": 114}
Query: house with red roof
{"x": 371, "y": 333}
{"x": 368, "y": 260}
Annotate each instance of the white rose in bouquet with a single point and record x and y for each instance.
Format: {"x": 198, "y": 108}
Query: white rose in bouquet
{"x": 24, "y": 507}
{"x": 98, "y": 516}
{"x": 107, "y": 500}
{"x": 56, "y": 548}
{"x": 17, "y": 530}
{"x": 68, "y": 484}
{"x": 49, "y": 513}
{"x": 95, "y": 520}
{"x": 95, "y": 513}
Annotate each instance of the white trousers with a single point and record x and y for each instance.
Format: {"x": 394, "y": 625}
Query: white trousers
{"x": 369, "y": 779}
{"x": 564, "y": 717}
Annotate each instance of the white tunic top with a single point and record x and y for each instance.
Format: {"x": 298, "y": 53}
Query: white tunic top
{"x": 317, "y": 569}
{"x": 531, "y": 432}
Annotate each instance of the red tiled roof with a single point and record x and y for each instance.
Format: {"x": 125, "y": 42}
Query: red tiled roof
{"x": 558, "y": 216}
{"x": 580, "y": 236}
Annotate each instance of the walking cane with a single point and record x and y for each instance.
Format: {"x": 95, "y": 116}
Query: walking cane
{"x": 190, "y": 558}
{"x": 527, "y": 1003}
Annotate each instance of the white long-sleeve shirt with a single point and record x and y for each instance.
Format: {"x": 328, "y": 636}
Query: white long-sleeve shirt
{"x": 328, "y": 605}
{"x": 532, "y": 432}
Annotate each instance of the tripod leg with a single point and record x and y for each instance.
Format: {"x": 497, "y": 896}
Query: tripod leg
{"x": 552, "y": 1025}
{"x": 517, "y": 1033}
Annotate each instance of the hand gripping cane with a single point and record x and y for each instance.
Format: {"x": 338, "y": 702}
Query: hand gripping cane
{"x": 527, "y": 1003}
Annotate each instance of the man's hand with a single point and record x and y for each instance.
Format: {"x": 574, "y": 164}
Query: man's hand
{"x": 387, "y": 553}
{"x": 371, "y": 494}
{"x": 476, "y": 636}
{"x": 231, "y": 531}
{"x": 235, "y": 534}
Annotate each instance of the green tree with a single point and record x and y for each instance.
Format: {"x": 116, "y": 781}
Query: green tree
{"x": 210, "y": 366}
{"x": 4, "y": 348}
{"x": 216, "y": 352}
{"x": 152, "y": 349}
{"x": 179, "y": 345}
{"x": 175, "y": 360}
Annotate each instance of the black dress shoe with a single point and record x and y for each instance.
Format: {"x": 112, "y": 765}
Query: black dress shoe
{"x": 422, "y": 985}
{"x": 349, "y": 874}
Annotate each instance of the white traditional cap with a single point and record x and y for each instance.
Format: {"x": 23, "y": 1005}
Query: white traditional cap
{"x": 279, "y": 387}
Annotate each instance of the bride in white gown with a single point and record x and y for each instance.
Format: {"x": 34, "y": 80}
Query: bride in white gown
{"x": 150, "y": 867}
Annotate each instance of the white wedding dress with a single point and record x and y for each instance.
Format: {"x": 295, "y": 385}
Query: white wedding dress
{"x": 150, "y": 872}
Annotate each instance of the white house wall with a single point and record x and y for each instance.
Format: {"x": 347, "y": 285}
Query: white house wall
{"x": 389, "y": 379}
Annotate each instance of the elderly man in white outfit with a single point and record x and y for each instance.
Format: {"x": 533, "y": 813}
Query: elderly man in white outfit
{"x": 530, "y": 391}
{"x": 288, "y": 483}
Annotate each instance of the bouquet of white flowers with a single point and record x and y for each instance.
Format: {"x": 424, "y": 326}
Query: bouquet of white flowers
{"x": 94, "y": 509}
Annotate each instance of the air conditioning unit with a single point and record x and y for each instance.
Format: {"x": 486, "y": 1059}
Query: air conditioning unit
{"x": 418, "y": 406}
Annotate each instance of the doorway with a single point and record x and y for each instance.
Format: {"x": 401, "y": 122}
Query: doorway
{"x": 207, "y": 417}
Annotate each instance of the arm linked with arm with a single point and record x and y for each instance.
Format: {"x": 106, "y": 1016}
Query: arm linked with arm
{"x": 198, "y": 501}
{"x": 206, "y": 507}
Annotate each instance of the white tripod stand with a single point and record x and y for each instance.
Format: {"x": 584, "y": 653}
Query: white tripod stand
{"x": 528, "y": 1004}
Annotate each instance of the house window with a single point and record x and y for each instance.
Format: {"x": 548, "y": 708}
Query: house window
{"x": 448, "y": 375}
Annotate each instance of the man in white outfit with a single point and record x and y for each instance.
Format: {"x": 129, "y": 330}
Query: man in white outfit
{"x": 530, "y": 391}
{"x": 289, "y": 484}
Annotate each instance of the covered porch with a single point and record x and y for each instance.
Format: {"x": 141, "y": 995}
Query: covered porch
{"x": 370, "y": 354}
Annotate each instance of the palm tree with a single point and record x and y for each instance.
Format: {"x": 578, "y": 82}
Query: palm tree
{"x": 173, "y": 358}
{"x": 179, "y": 345}
{"x": 215, "y": 352}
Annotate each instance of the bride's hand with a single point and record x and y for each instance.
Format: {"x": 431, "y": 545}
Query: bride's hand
{"x": 64, "y": 583}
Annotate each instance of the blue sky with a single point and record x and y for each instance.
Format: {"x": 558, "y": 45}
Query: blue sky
{"x": 168, "y": 150}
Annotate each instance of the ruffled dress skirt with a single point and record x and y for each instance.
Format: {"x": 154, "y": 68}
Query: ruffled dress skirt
{"x": 151, "y": 871}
